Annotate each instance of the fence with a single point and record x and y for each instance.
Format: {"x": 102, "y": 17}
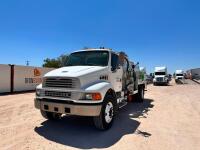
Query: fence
{"x": 15, "y": 78}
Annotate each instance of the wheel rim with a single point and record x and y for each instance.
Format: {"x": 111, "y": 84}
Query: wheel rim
{"x": 109, "y": 112}
{"x": 142, "y": 94}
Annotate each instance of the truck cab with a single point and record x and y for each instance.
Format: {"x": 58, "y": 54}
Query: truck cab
{"x": 93, "y": 83}
{"x": 179, "y": 75}
{"x": 160, "y": 76}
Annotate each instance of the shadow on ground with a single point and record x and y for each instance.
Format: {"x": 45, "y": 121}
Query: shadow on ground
{"x": 163, "y": 85}
{"x": 79, "y": 132}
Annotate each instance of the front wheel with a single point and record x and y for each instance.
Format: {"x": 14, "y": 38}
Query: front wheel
{"x": 105, "y": 120}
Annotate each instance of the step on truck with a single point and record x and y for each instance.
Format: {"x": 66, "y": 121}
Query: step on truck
{"x": 94, "y": 82}
{"x": 160, "y": 76}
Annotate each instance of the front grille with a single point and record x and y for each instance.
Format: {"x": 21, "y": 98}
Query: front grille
{"x": 58, "y": 94}
{"x": 159, "y": 79}
{"x": 60, "y": 82}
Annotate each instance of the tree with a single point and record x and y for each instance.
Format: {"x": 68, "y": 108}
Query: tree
{"x": 56, "y": 62}
{"x": 63, "y": 60}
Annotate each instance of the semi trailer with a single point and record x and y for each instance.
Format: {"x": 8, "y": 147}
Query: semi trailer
{"x": 95, "y": 83}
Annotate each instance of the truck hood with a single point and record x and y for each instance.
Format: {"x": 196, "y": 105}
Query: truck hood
{"x": 74, "y": 71}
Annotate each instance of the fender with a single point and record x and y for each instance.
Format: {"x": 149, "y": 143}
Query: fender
{"x": 100, "y": 87}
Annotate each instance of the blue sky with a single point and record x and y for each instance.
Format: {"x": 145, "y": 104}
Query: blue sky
{"x": 153, "y": 32}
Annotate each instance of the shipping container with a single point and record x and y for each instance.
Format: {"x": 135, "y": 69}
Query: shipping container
{"x": 5, "y": 78}
{"x": 15, "y": 78}
{"x": 27, "y": 78}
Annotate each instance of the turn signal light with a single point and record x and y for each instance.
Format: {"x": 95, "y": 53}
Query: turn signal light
{"x": 96, "y": 96}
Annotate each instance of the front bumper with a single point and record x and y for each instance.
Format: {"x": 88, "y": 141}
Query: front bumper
{"x": 179, "y": 78}
{"x": 63, "y": 107}
{"x": 160, "y": 81}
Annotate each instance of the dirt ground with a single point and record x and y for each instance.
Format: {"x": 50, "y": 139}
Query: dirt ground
{"x": 169, "y": 119}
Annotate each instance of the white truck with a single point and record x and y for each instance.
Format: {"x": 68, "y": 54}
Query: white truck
{"x": 160, "y": 76}
{"x": 91, "y": 84}
{"x": 179, "y": 75}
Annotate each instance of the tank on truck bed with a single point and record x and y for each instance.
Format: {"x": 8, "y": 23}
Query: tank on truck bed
{"x": 94, "y": 82}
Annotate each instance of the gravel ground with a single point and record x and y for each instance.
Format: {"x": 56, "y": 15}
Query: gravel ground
{"x": 188, "y": 81}
{"x": 168, "y": 119}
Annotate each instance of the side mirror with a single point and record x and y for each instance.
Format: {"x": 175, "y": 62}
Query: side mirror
{"x": 133, "y": 66}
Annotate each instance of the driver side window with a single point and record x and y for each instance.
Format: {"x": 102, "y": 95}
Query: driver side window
{"x": 114, "y": 61}
{"x": 125, "y": 65}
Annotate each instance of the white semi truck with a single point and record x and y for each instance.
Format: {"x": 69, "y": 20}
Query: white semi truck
{"x": 160, "y": 76}
{"x": 179, "y": 75}
{"x": 91, "y": 84}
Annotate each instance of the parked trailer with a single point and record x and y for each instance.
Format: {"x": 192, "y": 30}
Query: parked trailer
{"x": 15, "y": 78}
{"x": 26, "y": 78}
{"x": 5, "y": 78}
{"x": 195, "y": 73}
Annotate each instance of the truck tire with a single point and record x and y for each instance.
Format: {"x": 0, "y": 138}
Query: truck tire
{"x": 105, "y": 120}
{"x": 50, "y": 115}
{"x": 140, "y": 95}
{"x": 176, "y": 81}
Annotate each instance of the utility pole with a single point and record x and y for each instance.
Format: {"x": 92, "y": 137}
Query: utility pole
{"x": 27, "y": 63}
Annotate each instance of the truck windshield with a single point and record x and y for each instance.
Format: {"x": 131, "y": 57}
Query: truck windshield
{"x": 159, "y": 73}
{"x": 179, "y": 74}
{"x": 88, "y": 58}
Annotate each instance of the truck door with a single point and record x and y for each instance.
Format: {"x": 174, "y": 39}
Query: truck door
{"x": 116, "y": 73}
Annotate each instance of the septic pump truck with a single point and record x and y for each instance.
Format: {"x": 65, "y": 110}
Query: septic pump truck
{"x": 93, "y": 83}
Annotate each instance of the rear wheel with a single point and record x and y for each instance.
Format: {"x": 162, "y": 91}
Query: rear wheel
{"x": 140, "y": 94}
{"x": 50, "y": 115}
{"x": 105, "y": 120}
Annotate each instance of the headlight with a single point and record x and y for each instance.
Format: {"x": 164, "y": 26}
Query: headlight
{"x": 88, "y": 96}
{"x": 91, "y": 96}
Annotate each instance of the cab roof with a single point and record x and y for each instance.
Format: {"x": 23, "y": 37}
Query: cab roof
{"x": 96, "y": 49}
